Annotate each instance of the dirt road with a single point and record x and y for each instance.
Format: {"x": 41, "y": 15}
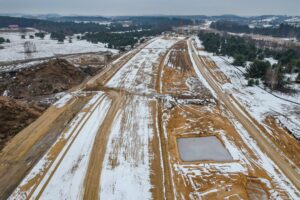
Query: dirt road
{"x": 266, "y": 145}
{"x": 92, "y": 181}
{"x": 24, "y": 151}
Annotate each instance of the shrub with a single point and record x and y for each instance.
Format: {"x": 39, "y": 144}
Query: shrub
{"x": 250, "y": 82}
{"x": 239, "y": 60}
{"x": 40, "y": 35}
{"x": 60, "y": 37}
{"x": 258, "y": 69}
{"x": 2, "y": 40}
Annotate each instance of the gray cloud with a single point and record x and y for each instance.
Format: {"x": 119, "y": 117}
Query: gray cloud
{"x": 149, "y": 7}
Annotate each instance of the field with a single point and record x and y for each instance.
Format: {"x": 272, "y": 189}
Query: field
{"x": 44, "y": 47}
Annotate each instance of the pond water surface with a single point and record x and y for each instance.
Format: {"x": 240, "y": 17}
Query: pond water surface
{"x": 202, "y": 148}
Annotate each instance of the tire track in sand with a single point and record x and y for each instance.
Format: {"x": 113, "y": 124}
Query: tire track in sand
{"x": 93, "y": 174}
{"x": 82, "y": 122}
{"x": 167, "y": 179}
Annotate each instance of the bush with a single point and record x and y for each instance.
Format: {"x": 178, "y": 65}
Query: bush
{"x": 239, "y": 60}
{"x": 256, "y": 82}
{"x": 23, "y": 37}
{"x": 2, "y": 40}
{"x": 288, "y": 56}
{"x": 293, "y": 66}
{"x": 7, "y": 40}
{"x": 257, "y": 69}
{"x": 60, "y": 37}
{"x": 40, "y": 35}
{"x": 250, "y": 82}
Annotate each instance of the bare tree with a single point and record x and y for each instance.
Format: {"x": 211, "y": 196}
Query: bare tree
{"x": 274, "y": 77}
{"x": 29, "y": 47}
{"x": 271, "y": 78}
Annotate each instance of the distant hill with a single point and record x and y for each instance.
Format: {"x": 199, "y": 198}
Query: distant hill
{"x": 67, "y": 28}
{"x": 79, "y": 18}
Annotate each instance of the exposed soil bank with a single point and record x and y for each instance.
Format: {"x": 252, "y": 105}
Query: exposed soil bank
{"x": 14, "y": 116}
{"x": 27, "y": 92}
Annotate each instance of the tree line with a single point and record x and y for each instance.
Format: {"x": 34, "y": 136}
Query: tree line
{"x": 284, "y": 30}
{"x": 116, "y": 35}
{"x": 119, "y": 40}
{"x": 241, "y": 50}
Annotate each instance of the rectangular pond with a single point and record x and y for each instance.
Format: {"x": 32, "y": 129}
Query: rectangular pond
{"x": 202, "y": 149}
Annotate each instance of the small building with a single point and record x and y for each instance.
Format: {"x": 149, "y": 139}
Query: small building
{"x": 13, "y": 26}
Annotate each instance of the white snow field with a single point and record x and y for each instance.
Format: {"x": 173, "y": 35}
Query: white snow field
{"x": 126, "y": 169}
{"x": 45, "y": 47}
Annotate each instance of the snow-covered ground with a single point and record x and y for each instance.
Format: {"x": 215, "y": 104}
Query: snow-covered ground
{"x": 64, "y": 176}
{"x": 126, "y": 168}
{"x": 137, "y": 74}
{"x": 293, "y": 19}
{"x": 259, "y": 102}
{"x": 16, "y": 67}
{"x": 271, "y": 60}
{"x": 45, "y": 47}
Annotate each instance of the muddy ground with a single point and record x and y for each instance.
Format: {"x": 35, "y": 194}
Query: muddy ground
{"x": 26, "y": 93}
{"x": 14, "y": 116}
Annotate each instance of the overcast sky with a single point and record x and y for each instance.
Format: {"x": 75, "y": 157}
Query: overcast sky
{"x": 150, "y": 7}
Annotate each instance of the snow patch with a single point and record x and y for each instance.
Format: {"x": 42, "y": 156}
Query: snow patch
{"x": 63, "y": 101}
